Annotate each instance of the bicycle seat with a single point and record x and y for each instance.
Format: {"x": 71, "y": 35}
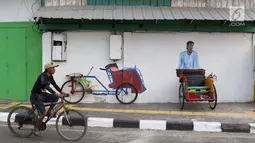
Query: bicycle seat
{"x": 75, "y": 75}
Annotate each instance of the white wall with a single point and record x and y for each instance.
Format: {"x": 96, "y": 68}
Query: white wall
{"x": 228, "y": 55}
{"x": 84, "y": 50}
{"x": 17, "y": 10}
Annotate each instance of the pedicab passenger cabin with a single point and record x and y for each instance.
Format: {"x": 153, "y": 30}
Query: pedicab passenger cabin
{"x": 195, "y": 86}
{"x": 126, "y": 76}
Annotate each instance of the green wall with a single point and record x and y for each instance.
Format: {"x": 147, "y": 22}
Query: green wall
{"x": 21, "y": 59}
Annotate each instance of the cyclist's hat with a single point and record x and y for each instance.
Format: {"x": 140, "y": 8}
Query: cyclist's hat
{"x": 50, "y": 65}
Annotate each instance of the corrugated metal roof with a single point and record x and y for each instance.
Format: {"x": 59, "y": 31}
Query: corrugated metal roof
{"x": 139, "y": 13}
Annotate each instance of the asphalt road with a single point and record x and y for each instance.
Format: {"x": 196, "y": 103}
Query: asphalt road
{"x": 111, "y": 135}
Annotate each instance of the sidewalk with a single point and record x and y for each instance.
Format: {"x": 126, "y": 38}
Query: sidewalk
{"x": 227, "y": 113}
{"x": 234, "y": 117}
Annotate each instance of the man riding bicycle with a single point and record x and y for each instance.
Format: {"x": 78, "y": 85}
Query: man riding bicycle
{"x": 39, "y": 95}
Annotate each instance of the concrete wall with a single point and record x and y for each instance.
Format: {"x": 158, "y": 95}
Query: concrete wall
{"x": 228, "y": 55}
{"x": 18, "y": 10}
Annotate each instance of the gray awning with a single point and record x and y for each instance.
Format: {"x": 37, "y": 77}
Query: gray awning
{"x": 139, "y": 13}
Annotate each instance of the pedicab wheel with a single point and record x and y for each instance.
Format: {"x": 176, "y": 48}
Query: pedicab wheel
{"x": 213, "y": 104}
{"x": 70, "y": 119}
{"x": 23, "y": 125}
{"x": 126, "y": 89}
{"x": 75, "y": 97}
{"x": 181, "y": 96}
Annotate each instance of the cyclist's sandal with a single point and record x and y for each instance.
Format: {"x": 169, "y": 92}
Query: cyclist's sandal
{"x": 37, "y": 133}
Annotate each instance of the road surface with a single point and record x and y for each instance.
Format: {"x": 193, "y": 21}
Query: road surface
{"x": 111, "y": 135}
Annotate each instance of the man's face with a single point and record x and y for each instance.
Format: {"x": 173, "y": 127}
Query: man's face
{"x": 190, "y": 47}
{"x": 51, "y": 70}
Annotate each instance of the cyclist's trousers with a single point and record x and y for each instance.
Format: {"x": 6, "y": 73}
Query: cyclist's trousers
{"x": 39, "y": 99}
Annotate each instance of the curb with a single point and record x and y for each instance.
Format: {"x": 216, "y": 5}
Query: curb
{"x": 168, "y": 125}
{"x": 198, "y": 126}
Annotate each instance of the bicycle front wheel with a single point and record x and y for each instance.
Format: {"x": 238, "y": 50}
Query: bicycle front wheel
{"x": 75, "y": 89}
{"x": 74, "y": 120}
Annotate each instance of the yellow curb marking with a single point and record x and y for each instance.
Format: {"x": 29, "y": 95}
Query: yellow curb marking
{"x": 198, "y": 113}
{"x": 164, "y": 112}
{"x": 157, "y": 112}
{"x": 250, "y": 114}
{"x": 9, "y": 105}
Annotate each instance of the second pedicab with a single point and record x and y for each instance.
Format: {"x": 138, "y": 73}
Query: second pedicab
{"x": 195, "y": 86}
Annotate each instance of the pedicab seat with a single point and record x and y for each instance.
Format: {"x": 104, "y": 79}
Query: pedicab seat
{"x": 195, "y": 78}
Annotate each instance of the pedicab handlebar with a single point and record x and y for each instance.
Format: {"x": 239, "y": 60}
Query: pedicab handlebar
{"x": 213, "y": 76}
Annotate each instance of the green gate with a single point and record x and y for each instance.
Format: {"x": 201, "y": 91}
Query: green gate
{"x": 20, "y": 59}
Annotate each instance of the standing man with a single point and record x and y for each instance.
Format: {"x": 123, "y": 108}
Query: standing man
{"x": 189, "y": 58}
{"x": 39, "y": 95}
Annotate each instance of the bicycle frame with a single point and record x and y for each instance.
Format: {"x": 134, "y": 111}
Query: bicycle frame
{"x": 103, "y": 92}
{"x": 60, "y": 104}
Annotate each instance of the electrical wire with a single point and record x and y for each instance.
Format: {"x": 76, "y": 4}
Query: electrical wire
{"x": 27, "y": 7}
{"x": 33, "y": 6}
{"x": 19, "y": 9}
{"x": 33, "y": 28}
{"x": 34, "y": 24}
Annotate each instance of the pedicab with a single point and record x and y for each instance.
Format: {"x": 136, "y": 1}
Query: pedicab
{"x": 126, "y": 82}
{"x": 195, "y": 86}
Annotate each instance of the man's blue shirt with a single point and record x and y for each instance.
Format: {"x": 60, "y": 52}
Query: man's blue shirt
{"x": 188, "y": 61}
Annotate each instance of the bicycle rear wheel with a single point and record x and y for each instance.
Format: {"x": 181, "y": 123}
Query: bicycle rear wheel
{"x": 126, "y": 93}
{"x": 69, "y": 119}
{"x": 21, "y": 123}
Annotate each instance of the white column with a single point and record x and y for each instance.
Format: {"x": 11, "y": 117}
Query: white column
{"x": 46, "y": 48}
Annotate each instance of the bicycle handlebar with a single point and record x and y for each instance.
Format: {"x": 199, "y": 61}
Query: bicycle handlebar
{"x": 102, "y": 69}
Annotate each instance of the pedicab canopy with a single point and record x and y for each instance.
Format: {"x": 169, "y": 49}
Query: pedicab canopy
{"x": 125, "y": 75}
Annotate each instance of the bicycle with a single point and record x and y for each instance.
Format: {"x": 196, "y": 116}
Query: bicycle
{"x": 29, "y": 118}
